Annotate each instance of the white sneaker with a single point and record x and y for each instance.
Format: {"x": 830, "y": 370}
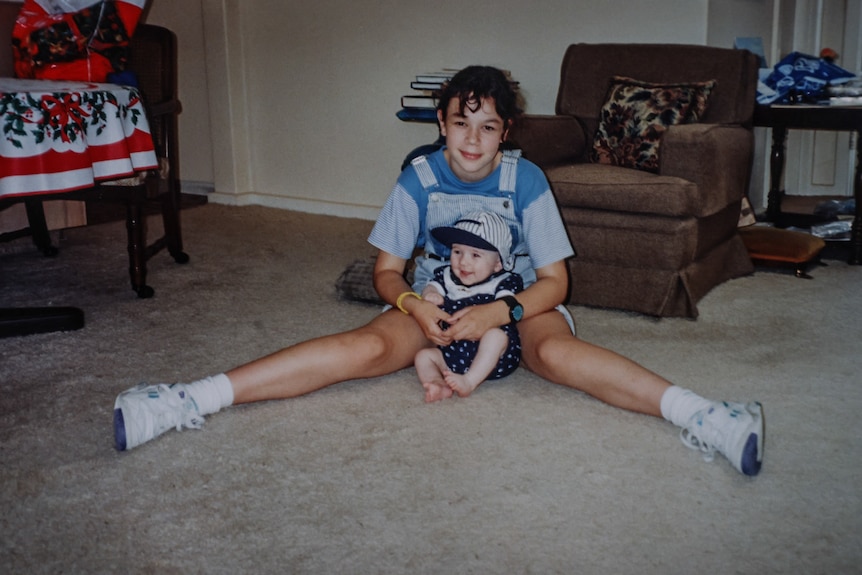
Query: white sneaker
{"x": 733, "y": 429}
{"x": 146, "y": 411}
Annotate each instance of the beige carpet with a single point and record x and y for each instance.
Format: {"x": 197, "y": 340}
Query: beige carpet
{"x": 363, "y": 477}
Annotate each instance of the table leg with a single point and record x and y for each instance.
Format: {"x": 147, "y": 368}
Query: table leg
{"x": 137, "y": 247}
{"x": 856, "y": 231}
{"x": 39, "y": 227}
{"x": 776, "y": 170}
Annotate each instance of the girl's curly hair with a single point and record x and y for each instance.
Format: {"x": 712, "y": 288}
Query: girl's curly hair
{"x": 476, "y": 83}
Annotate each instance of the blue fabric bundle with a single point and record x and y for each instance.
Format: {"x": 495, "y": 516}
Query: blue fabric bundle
{"x": 800, "y": 78}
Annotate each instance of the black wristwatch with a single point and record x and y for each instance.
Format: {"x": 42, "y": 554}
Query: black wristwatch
{"x": 516, "y": 310}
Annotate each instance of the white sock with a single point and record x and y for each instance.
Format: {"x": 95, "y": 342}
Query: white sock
{"x": 211, "y": 394}
{"x": 678, "y": 405}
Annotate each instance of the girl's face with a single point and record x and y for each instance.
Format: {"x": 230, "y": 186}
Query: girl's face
{"x": 472, "y": 139}
{"x": 473, "y": 265}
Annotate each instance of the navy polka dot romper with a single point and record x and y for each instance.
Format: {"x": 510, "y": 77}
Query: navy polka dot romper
{"x": 459, "y": 354}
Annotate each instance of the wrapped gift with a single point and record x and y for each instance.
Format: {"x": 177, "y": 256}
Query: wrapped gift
{"x": 74, "y": 39}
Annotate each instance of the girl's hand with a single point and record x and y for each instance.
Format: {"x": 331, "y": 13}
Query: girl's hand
{"x": 389, "y": 283}
{"x": 431, "y": 320}
{"x": 472, "y": 322}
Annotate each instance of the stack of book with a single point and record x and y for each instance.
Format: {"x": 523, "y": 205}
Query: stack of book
{"x": 421, "y": 106}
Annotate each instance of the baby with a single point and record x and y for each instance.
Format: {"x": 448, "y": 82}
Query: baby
{"x": 480, "y": 245}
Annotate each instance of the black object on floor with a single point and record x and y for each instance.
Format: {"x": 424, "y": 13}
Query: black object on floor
{"x": 27, "y": 321}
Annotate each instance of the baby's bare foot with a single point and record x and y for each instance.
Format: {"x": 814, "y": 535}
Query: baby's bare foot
{"x": 435, "y": 391}
{"x": 460, "y": 383}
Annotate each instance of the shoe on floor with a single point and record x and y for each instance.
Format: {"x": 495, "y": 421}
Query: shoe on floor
{"x": 146, "y": 411}
{"x": 733, "y": 429}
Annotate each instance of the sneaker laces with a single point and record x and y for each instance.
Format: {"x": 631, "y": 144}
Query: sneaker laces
{"x": 692, "y": 441}
{"x": 184, "y": 408}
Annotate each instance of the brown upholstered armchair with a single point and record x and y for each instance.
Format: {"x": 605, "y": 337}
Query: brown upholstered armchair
{"x": 655, "y": 241}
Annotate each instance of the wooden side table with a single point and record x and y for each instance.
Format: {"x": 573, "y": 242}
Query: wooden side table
{"x": 811, "y": 117}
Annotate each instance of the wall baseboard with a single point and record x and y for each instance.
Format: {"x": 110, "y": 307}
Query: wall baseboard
{"x": 294, "y": 204}
{"x": 197, "y": 188}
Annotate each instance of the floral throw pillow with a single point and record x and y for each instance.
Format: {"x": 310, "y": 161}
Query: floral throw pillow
{"x": 636, "y": 114}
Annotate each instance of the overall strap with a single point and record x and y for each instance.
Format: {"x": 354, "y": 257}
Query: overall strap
{"x": 425, "y": 174}
{"x": 509, "y": 170}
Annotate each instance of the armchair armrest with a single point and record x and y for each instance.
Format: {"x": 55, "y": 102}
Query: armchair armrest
{"x": 716, "y": 157}
{"x": 549, "y": 140}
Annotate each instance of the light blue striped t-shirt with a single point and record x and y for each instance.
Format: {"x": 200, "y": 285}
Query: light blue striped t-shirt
{"x": 428, "y": 195}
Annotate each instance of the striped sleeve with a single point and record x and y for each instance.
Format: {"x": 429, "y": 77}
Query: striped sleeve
{"x": 544, "y": 232}
{"x": 398, "y": 226}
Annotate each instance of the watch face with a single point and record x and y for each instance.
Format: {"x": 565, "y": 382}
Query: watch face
{"x": 517, "y": 313}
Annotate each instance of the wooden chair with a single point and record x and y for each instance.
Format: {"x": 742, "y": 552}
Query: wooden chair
{"x": 153, "y": 59}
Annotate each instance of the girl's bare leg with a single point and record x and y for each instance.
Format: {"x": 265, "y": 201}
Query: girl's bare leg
{"x": 733, "y": 429}
{"x": 431, "y": 367}
{"x": 386, "y": 344}
{"x": 550, "y": 350}
{"x": 491, "y": 346}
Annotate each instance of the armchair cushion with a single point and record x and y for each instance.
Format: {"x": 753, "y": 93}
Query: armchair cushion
{"x": 703, "y": 169}
{"x": 604, "y": 187}
{"x": 636, "y": 114}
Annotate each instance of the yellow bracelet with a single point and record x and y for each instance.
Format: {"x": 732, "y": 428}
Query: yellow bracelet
{"x": 400, "y": 299}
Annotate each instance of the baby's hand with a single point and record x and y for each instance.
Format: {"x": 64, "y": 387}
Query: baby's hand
{"x": 433, "y": 296}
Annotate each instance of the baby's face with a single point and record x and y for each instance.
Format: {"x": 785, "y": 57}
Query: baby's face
{"x": 474, "y": 265}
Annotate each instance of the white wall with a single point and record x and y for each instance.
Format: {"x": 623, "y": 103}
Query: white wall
{"x": 196, "y": 157}
{"x": 292, "y": 104}
{"x": 729, "y": 19}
